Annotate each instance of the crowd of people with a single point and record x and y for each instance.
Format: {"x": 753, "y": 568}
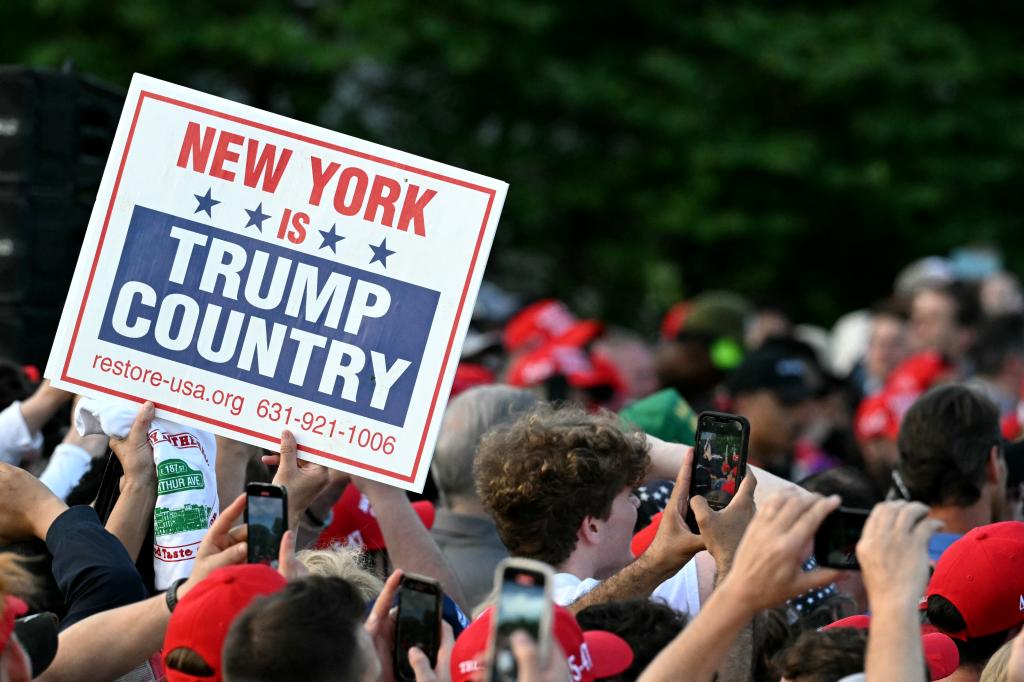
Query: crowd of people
{"x": 123, "y": 547}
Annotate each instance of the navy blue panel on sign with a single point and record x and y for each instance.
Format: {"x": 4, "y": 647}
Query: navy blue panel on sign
{"x": 269, "y": 316}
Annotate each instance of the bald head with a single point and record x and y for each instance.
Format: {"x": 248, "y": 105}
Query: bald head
{"x": 469, "y": 416}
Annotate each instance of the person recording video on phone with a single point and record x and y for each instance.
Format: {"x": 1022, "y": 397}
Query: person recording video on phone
{"x": 579, "y": 515}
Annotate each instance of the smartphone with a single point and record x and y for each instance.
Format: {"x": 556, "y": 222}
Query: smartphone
{"x": 719, "y": 460}
{"x": 266, "y": 513}
{"x": 419, "y": 622}
{"x": 524, "y": 603}
{"x": 835, "y": 543}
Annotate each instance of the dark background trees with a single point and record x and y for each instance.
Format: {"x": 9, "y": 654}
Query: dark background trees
{"x": 792, "y": 150}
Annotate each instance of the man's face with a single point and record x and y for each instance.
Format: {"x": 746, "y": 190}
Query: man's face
{"x": 933, "y": 322}
{"x": 774, "y": 425}
{"x": 618, "y": 533}
{"x": 887, "y": 346}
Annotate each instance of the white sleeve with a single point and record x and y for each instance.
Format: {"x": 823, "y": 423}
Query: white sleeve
{"x": 567, "y": 588}
{"x": 681, "y": 591}
{"x": 16, "y": 441}
{"x": 67, "y": 466}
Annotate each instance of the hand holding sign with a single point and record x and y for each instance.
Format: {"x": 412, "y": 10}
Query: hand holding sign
{"x": 304, "y": 480}
{"x": 135, "y": 451}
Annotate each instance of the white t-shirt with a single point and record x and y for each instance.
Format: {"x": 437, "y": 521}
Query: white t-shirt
{"x": 186, "y": 472}
{"x": 681, "y": 591}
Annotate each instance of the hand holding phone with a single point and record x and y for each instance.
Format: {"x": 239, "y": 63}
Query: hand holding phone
{"x": 524, "y": 603}
{"x": 266, "y": 513}
{"x": 418, "y": 623}
{"x": 835, "y": 543}
{"x": 719, "y": 460}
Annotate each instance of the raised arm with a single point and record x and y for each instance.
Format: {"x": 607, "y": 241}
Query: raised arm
{"x": 42, "y": 405}
{"x": 132, "y": 515}
{"x": 72, "y": 459}
{"x": 410, "y": 545}
{"x": 766, "y": 571}
{"x": 666, "y": 458}
{"x": 893, "y": 555}
{"x": 112, "y": 643}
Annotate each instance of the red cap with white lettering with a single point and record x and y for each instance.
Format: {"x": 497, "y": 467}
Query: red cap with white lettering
{"x": 591, "y": 655}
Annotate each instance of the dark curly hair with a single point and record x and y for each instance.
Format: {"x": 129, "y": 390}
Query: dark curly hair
{"x": 541, "y": 476}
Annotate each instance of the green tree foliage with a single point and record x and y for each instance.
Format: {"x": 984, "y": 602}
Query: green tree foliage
{"x": 791, "y": 150}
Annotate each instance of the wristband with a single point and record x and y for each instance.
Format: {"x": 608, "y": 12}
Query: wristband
{"x": 312, "y": 518}
{"x": 172, "y": 594}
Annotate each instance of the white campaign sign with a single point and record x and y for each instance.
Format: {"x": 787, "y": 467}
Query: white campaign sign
{"x": 249, "y": 273}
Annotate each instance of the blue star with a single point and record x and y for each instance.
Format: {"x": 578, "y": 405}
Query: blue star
{"x": 331, "y": 239}
{"x": 206, "y": 202}
{"x": 381, "y": 253}
{"x": 256, "y": 217}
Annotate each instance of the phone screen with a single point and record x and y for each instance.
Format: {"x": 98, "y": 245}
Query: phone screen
{"x": 521, "y": 606}
{"x": 265, "y": 516}
{"x": 418, "y": 626}
{"x": 835, "y": 543}
{"x": 720, "y": 459}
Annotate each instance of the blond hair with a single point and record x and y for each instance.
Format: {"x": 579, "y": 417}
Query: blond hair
{"x": 348, "y": 563}
{"x": 998, "y": 667}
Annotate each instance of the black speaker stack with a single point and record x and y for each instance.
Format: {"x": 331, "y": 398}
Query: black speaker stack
{"x": 56, "y": 129}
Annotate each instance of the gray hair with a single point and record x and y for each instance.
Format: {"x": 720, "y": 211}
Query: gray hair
{"x": 469, "y": 416}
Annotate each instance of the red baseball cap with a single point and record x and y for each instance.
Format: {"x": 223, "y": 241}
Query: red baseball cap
{"x": 981, "y": 574}
{"x": 12, "y": 609}
{"x": 875, "y": 419}
{"x": 918, "y": 373}
{"x": 590, "y": 655}
{"x": 469, "y": 375}
{"x": 674, "y": 319}
{"x": 355, "y": 524}
{"x": 536, "y": 324}
{"x": 581, "y": 368}
{"x": 202, "y": 618}
{"x": 643, "y": 539}
{"x": 940, "y": 652}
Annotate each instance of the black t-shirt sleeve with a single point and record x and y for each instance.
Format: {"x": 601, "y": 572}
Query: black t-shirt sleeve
{"x": 91, "y": 566}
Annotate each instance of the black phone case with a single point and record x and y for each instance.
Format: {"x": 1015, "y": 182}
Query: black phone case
{"x": 825, "y": 533}
{"x": 691, "y": 521}
{"x": 284, "y": 509}
{"x": 431, "y": 655}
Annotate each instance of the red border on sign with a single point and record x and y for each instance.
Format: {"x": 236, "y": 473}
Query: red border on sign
{"x": 327, "y": 145}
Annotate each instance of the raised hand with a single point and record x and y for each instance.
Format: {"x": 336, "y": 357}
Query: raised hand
{"x": 674, "y": 544}
{"x": 723, "y": 530}
{"x": 893, "y": 552}
{"x": 304, "y": 480}
{"x": 768, "y": 566}
{"x": 134, "y": 451}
